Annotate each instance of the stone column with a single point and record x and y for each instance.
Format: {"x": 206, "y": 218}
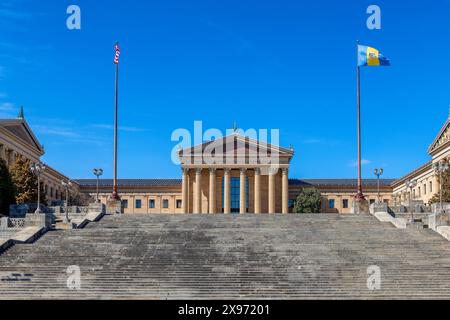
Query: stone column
{"x": 242, "y": 191}
{"x": 257, "y": 190}
{"x": 226, "y": 192}
{"x": 212, "y": 190}
{"x": 272, "y": 175}
{"x": 8, "y": 157}
{"x": 198, "y": 191}
{"x": 184, "y": 191}
{"x": 285, "y": 191}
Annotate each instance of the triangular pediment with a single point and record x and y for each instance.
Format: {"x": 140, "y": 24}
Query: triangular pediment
{"x": 236, "y": 145}
{"x": 442, "y": 139}
{"x": 20, "y": 129}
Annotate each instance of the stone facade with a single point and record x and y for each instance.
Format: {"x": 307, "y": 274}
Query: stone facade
{"x": 339, "y": 192}
{"x": 214, "y": 187}
{"x": 17, "y": 138}
{"x": 425, "y": 176}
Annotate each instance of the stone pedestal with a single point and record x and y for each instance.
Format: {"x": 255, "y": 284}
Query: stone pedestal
{"x": 114, "y": 206}
{"x": 360, "y": 206}
{"x": 39, "y": 220}
{"x": 96, "y": 207}
{"x": 3, "y": 223}
{"x": 379, "y": 207}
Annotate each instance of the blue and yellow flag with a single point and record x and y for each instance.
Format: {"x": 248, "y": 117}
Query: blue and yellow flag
{"x": 368, "y": 56}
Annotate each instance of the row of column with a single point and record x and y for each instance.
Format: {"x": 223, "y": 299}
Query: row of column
{"x": 197, "y": 199}
{"x": 8, "y": 155}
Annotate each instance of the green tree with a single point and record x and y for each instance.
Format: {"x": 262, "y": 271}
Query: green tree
{"x": 80, "y": 199}
{"x": 445, "y": 189}
{"x": 308, "y": 201}
{"x": 25, "y": 182}
{"x": 7, "y": 189}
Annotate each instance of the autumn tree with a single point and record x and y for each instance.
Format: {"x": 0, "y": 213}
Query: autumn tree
{"x": 445, "y": 188}
{"x": 25, "y": 182}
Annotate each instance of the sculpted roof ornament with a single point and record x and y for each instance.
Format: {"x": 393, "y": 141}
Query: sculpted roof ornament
{"x": 442, "y": 138}
{"x": 21, "y": 114}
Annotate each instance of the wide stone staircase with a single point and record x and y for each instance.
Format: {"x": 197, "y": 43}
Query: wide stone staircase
{"x": 230, "y": 257}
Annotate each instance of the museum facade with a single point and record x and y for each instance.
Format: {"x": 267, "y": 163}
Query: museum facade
{"x": 234, "y": 174}
{"x": 425, "y": 179}
{"x": 17, "y": 139}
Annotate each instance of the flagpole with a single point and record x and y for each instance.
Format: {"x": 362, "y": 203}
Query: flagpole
{"x": 115, "y": 195}
{"x": 359, "y": 196}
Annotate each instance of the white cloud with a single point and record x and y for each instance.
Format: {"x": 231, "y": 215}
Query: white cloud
{"x": 6, "y": 106}
{"x": 363, "y": 163}
{"x": 121, "y": 128}
{"x": 56, "y": 131}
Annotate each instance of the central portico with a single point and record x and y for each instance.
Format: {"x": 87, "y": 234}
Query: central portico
{"x": 235, "y": 174}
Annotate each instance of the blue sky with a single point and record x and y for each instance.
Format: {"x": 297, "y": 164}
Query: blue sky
{"x": 287, "y": 65}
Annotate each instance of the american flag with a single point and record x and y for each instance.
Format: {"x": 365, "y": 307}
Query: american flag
{"x": 116, "y": 58}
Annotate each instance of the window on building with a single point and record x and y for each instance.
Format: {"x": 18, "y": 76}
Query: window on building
{"x": 125, "y": 204}
{"x": 424, "y": 189}
{"x": 166, "y": 204}
{"x": 331, "y": 203}
{"x": 179, "y": 204}
{"x": 345, "y": 203}
{"x": 138, "y": 204}
{"x": 151, "y": 203}
{"x": 235, "y": 193}
{"x": 414, "y": 193}
{"x": 51, "y": 192}
{"x": 372, "y": 201}
{"x": 431, "y": 186}
{"x": 386, "y": 201}
{"x": 420, "y": 192}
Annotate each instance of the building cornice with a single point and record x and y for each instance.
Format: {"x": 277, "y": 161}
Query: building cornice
{"x": 422, "y": 169}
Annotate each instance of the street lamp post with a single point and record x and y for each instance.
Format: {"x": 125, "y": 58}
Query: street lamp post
{"x": 37, "y": 169}
{"x": 411, "y": 184}
{"x": 66, "y": 186}
{"x": 98, "y": 173}
{"x": 378, "y": 173}
{"x": 439, "y": 168}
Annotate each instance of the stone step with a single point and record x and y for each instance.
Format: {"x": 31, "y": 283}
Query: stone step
{"x": 232, "y": 256}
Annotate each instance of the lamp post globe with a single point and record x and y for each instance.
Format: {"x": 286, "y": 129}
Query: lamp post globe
{"x": 411, "y": 184}
{"x": 37, "y": 169}
{"x": 98, "y": 173}
{"x": 66, "y": 186}
{"x": 378, "y": 173}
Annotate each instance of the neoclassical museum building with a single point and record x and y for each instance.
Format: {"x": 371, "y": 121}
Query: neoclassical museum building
{"x": 212, "y": 175}
{"x": 233, "y": 174}
{"x": 17, "y": 138}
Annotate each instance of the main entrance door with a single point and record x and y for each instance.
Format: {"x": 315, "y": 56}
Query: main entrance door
{"x": 235, "y": 190}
